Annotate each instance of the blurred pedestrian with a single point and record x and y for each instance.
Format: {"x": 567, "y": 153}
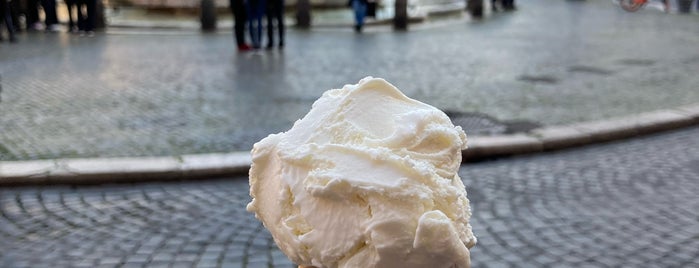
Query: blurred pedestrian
{"x": 86, "y": 20}
{"x": 50, "y": 17}
{"x": 494, "y": 5}
{"x": 256, "y": 9}
{"x": 360, "y": 9}
{"x": 6, "y": 13}
{"x": 240, "y": 16}
{"x": 72, "y": 5}
{"x": 508, "y": 5}
{"x": 31, "y": 14}
{"x": 275, "y": 12}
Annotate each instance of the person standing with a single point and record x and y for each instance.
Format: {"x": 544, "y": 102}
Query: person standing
{"x": 240, "y": 17}
{"x": 508, "y": 5}
{"x": 256, "y": 9}
{"x": 86, "y": 21}
{"x": 275, "y": 12}
{"x": 6, "y": 13}
{"x": 50, "y": 20}
{"x": 360, "y": 8}
{"x": 31, "y": 14}
{"x": 72, "y": 22}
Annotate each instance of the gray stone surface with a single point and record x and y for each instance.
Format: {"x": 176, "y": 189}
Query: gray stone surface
{"x": 153, "y": 93}
{"x": 625, "y": 204}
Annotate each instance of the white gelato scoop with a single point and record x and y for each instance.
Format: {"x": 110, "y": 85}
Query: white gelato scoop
{"x": 368, "y": 178}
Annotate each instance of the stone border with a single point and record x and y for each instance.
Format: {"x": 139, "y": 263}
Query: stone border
{"x": 138, "y": 169}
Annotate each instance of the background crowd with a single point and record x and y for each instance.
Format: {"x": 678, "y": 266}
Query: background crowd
{"x": 81, "y": 15}
{"x": 250, "y": 13}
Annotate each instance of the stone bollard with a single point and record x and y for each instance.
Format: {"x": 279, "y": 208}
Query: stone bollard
{"x": 207, "y": 15}
{"x": 303, "y": 13}
{"x": 400, "y": 20}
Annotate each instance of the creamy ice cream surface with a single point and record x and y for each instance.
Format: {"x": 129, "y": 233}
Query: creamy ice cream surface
{"x": 368, "y": 178}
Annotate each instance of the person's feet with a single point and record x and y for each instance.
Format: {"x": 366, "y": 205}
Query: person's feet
{"x": 358, "y": 28}
{"x": 244, "y": 48}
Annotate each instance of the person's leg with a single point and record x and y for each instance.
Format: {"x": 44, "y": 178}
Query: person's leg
{"x": 6, "y": 19}
{"x": 81, "y": 16}
{"x": 91, "y": 13}
{"x": 270, "y": 22}
{"x": 279, "y": 14}
{"x": 250, "y": 8}
{"x": 32, "y": 13}
{"x": 69, "y": 7}
{"x": 15, "y": 10}
{"x": 260, "y": 14}
{"x": 256, "y": 8}
{"x": 359, "y": 7}
{"x": 239, "y": 15}
{"x": 50, "y": 12}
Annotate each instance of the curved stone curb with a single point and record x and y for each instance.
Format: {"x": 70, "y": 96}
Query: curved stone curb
{"x": 566, "y": 136}
{"x": 137, "y": 169}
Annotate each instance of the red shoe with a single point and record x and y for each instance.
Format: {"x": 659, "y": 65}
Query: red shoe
{"x": 244, "y": 47}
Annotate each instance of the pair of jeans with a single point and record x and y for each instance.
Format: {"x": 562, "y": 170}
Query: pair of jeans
{"x": 359, "y": 7}
{"x": 256, "y": 9}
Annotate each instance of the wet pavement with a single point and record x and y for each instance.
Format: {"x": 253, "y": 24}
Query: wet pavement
{"x": 624, "y": 204}
{"x": 149, "y": 92}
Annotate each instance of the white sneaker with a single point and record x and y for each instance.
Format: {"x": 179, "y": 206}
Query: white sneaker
{"x": 37, "y": 26}
{"x": 54, "y": 28}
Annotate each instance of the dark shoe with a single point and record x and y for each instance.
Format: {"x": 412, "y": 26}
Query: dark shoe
{"x": 244, "y": 48}
{"x": 358, "y": 28}
{"x": 269, "y": 46}
{"x": 281, "y": 44}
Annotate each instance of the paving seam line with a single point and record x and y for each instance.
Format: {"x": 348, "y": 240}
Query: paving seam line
{"x": 137, "y": 169}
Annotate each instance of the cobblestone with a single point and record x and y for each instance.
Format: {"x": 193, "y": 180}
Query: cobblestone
{"x": 630, "y": 203}
{"x": 173, "y": 93}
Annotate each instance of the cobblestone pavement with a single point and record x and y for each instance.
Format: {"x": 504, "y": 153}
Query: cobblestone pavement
{"x": 138, "y": 93}
{"x": 627, "y": 204}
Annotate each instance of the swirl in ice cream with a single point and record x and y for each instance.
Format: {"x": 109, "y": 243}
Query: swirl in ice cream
{"x": 368, "y": 178}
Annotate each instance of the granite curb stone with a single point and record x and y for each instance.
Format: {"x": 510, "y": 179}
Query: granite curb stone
{"x": 133, "y": 169}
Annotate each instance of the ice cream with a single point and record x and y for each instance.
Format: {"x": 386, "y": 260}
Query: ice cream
{"x": 368, "y": 178}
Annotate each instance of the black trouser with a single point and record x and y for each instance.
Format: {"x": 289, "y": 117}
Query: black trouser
{"x": 50, "y": 12}
{"x": 32, "y": 12}
{"x": 275, "y": 11}
{"x": 72, "y": 5}
{"x": 240, "y": 16}
{"x": 508, "y": 3}
{"x": 6, "y": 13}
{"x": 86, "y": 22}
